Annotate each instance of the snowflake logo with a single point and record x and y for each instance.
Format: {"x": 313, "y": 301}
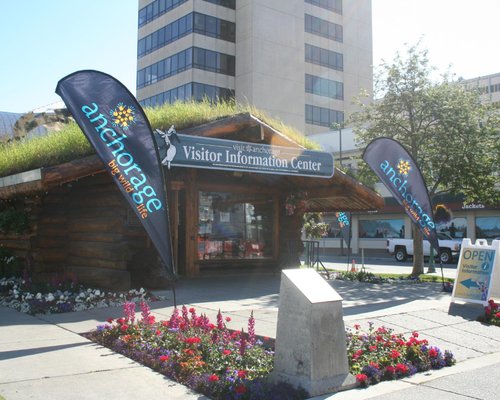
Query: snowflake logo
{"x": 123, "y": 116}
{"x": 404, "y": 167}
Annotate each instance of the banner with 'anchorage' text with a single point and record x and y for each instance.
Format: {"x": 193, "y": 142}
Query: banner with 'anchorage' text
{"x": 116, "y": 126}
{"x": 399, "y": 172}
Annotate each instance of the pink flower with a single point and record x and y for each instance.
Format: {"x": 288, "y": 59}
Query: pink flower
{"x": 213, "y": 378}
{"x": 226, "y": 352}
{"x": 124, "y": 327}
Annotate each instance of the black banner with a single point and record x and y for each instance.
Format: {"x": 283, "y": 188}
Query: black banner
{"x": 399, "y": 172}
{"x": 115, "y": 124}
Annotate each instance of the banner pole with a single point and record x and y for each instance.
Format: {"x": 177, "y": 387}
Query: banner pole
{"x": 442, "y": 274}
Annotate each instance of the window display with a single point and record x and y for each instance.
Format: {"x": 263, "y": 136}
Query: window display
{"x": 234, "y": 226}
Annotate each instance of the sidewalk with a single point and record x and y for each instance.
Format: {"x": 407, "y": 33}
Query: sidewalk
{"x": 45, "y": 357}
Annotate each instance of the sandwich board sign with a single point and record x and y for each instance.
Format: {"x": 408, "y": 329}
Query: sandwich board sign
{"x": 478, "y": 272}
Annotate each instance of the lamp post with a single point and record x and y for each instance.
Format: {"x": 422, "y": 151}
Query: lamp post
{"x": 337, "y": 126}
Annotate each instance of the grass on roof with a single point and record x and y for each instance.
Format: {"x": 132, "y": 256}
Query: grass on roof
{"x": 69, "y": 143}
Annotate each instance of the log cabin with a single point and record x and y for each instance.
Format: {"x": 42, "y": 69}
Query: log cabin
{"x": 221, "y": 221}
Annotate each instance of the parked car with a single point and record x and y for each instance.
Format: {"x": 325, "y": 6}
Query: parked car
{"x": 449, "y": 248}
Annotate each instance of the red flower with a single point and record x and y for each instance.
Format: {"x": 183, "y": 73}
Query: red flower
{"x": 361, "y": 378}
{"x": 390, "y": 369}
{"x": 401, "y": 368}
{"x": 109, "y": 320}
{"x": 373, "y": 348}
{"x": 164, "y": 358}
{"x": 213, "y": 378}
{"x": 228, "y": 319}
{"x": 242, "y": 374}
{"x": 124, "y": 327}
{"x": 158, "y": 332}
{"x": 192, "y": 310}
{"x": 487, "y": 310}
{"x": 415, "y": 334}
{"x": 192, "y": 340}
{"x": 433, "y": 352}
{"x": 226, "y": 352}
{"x": 395, "y": 354}
{"x": 497, "y": 315}
{"x": 357, "y": 327}
{"x": 240, "y": 389}
{"x": 121, "y": 321}
{"x": 165, "y": 323}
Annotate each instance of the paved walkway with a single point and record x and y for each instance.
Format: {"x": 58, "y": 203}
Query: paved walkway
{"x": 44, "y": 357}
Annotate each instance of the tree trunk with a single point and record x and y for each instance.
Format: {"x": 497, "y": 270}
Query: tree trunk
{"x": 418, "y": 251}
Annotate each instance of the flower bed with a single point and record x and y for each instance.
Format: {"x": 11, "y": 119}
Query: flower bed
{"x": 491, "y": 313}
{"x": 59, "y": 297}
{"x": 209, "y": 358}
{"x": 380, "y": 355}
{"x": 224, "y": 364}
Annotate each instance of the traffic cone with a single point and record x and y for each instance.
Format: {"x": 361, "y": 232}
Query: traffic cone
{"x": 353, "y": 266}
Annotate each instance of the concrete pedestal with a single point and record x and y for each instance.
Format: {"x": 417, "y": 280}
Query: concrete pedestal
{"x": 310, "y": 341}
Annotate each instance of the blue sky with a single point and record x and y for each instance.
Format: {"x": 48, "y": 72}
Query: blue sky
{"x": 45, "y": 40}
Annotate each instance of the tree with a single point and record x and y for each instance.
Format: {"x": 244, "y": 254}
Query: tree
{"x": 451, "y": 134}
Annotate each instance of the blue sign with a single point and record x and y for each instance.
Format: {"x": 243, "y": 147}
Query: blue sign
{"x": 203, "y": 152}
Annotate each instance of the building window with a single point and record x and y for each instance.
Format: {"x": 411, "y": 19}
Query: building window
{"x": 324, "y": 57}
{"x": 193, "y": 22}
{"x": 332, "y": 5}
{"x": 224, "y": 3}
{"x": 156, "y": 9}
{"x": 494, "y": 88}
{"x": 488, "y": 227}
{"x": 194, "y": 57}
{"x": 234, "y": 226}
{"x": 322, "y": 27}
{"x": 381, "y": 228}
{"x": 323, "y": 116}
{"x": 324, "y": 87}
{"x": 189, "y": 91}
{"x": 456, "y": 228}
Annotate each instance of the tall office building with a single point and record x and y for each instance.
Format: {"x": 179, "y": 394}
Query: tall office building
{"x": 301, "y": 61}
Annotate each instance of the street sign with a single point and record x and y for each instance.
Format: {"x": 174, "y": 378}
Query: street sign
{"x": 477, "y": 272}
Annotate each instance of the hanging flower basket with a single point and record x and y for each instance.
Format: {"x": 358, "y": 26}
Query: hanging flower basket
{"x": 295, "y": 202}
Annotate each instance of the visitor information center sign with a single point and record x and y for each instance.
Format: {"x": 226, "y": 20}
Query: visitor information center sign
{"x": 478, "y": 272}
{"x": 202, "y": 152}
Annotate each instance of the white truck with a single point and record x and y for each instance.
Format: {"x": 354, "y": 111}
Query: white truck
{"x": 449, "y": 248}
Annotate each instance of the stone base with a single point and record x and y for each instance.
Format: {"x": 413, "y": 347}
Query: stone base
{"x": 320, "y": 386}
